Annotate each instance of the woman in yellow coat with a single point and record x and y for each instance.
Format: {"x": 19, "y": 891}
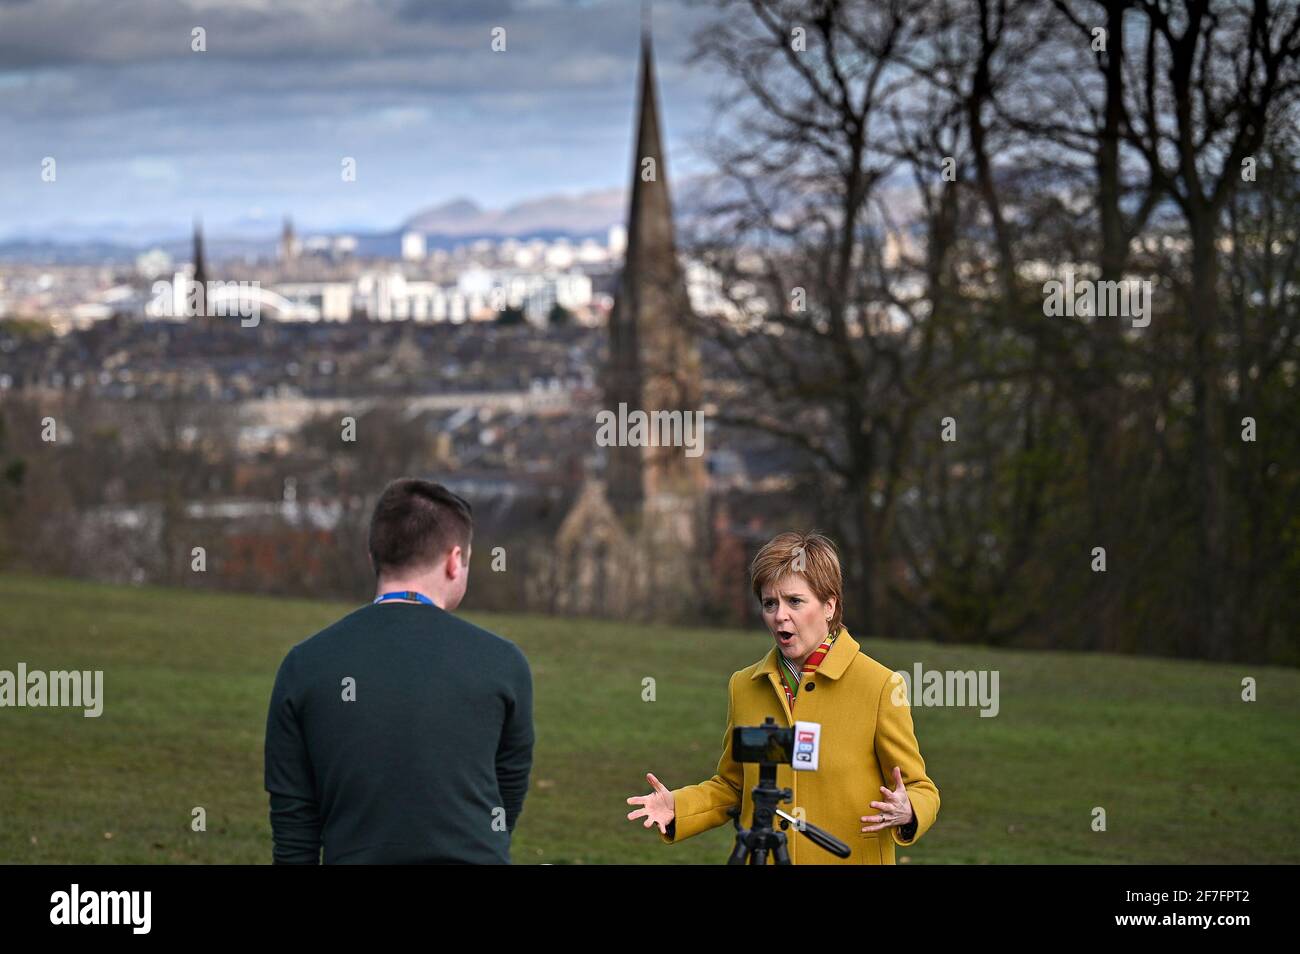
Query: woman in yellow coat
{"x": 870, "y": 789}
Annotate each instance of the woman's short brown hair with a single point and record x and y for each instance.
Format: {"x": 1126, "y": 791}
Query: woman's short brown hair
{"x": 810, "y": 554}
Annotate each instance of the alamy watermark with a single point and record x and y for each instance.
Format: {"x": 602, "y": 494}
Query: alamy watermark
{"x": 74, "y": 906}
{"x": 651, "y": 429}
{"x": 214, "y": 299}
{"x": 1086, "y": 298}
{"x": 947, "y": 687}
{"x": 57, "y": 688}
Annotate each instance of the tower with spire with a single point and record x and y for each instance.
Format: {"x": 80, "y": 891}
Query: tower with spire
{"x": 196, "y": 298}
{"x": 289, "y": 245}
{"x": 650, "y": 510}
{"x": 200, "y": 267}
{"x": 653, "y": 363}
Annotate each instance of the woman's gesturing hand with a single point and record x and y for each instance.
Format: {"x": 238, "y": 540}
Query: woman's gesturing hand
{"x": 895, "y": 810}
{"x": 657, "y": 807}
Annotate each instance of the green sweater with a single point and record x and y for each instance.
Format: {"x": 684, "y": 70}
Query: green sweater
{"x": 399, "y": 735}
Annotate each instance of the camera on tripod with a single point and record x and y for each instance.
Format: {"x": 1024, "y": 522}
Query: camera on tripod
{"x": 771, "y": 745}
{"x": 796, "y": 746}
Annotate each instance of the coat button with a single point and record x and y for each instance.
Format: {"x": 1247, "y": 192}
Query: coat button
{"x": 810, "y": 687}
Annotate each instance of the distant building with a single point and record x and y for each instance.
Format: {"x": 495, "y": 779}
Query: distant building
{"x": 290, "y": 247}
{"x": 343, "y": 246}
{"x": 319, "y": 301}
{"x": 537, "y": 293}
{"x": 414, "y": 248}
{"x": 153, "y": 263}
{"x": 617, "y": 241}
{"x": 591, "y": 252}
{"x": 559, "y": 254}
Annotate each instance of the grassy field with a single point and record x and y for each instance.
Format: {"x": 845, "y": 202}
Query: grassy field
{"x": 1187, "y": 772}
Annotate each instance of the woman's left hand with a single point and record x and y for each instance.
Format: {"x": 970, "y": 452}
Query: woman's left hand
{"x": 895, "y": 810}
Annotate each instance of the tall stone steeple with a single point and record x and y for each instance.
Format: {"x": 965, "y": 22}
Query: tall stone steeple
{"x": 193, "y": 299}
{"x": 634, "y": 544}
{"x": 653, "y": 363}
{"x": 289, "y": 246}
{"x": 200, "y": 267}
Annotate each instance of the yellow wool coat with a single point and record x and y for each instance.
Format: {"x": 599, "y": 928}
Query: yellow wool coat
{"x": 865, "y": 733}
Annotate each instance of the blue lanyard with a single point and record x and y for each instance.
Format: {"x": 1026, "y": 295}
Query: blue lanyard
{"x": 406, "y": 595}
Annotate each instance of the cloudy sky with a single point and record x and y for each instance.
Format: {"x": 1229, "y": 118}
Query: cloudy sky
{"x": 147, "y": 133}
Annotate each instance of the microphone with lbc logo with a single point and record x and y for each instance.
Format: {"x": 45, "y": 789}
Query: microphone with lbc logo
{"x": 807, "y": 745}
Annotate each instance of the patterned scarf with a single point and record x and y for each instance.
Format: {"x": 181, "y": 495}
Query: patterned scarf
{"x": 791, "y": 679}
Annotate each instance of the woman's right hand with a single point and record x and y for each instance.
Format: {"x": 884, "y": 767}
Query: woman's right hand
{"x": 657, "y": 807}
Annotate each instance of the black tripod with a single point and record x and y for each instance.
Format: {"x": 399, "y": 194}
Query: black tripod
{"x": 753, "y": 844}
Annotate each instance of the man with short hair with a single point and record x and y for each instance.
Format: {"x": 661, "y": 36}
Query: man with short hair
{"x": 402, "y": 734}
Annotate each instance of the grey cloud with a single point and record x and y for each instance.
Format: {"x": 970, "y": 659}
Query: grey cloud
{"x": 424, "y": 103}
{"x": 454, "y": 11}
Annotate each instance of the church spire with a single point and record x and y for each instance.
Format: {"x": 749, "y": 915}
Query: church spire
{"x": 200, "y": 267}
{"x": 653, "y": 364}
{"x": 650, "y": 217}
{"x": 653, "y": 511}
{"x": 288, "y": 242}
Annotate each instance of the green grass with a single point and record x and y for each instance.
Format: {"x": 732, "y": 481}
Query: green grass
{"x": 1186, "y": 771}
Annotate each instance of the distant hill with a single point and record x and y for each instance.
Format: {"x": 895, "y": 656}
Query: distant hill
{"x": 586, "y": 213}
{"x": 575, "y": 216}
{"x": 46, "y": 252}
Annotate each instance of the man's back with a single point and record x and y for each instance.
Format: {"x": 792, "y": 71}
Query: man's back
{"x": 401, "y": 734}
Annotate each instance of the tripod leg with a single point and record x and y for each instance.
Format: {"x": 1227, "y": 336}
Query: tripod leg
{"x": 781, "y": 853}
{"x": 739, "y": 851}
{"x": 760, "y": 856}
